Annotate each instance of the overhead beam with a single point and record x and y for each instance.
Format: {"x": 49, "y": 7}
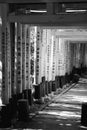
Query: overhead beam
{"x": 49, "y": 8}
{"x": 61, "y": 19}
{"x": 39, "y": 1}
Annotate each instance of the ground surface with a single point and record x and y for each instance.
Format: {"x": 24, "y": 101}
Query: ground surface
{"x": 63, "y": 113}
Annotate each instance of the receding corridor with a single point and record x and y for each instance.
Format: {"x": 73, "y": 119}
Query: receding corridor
{"x": 43, "y": 64}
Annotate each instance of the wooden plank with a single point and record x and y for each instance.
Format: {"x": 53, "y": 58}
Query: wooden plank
{"x": 49, "y": 8}
{"x": 39, "y": 1}
{"x": 61, "y": 19}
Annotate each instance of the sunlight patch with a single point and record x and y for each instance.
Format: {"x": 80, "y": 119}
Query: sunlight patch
{"x": 61, "y": 124}
{"x": 80, "y": 98}
{"x": 32, "y": 129}
{"x": 84, "y": 127}
{"x": 62, "y": 114}
{"x": 69, "y": 114}
{"x": 64, "y": 105}
{"x": 68, "y": 124}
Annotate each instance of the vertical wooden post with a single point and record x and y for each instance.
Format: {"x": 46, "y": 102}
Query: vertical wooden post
{"x": 32, "y": 49}
{"x": 54, "y": 59}
{"x": 45, "y": 54}
{"x": 6, "y": 59}
{"x": 54, "y": 55}
{"x": 57, "y": 56}
{"x": 12, "y": 31}
{"x": 27, "y": 56}
{"x": 38, "y": 57}
{"x": 19, "y": 58}
{"x": 38, "y": 89}
{"x": 23, "y": 57}
{"x": 35, "y": 41}
{"x": 49, "y": 58}
{"x": 27, "y": 64}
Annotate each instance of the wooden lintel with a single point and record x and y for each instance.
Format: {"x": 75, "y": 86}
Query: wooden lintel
{"x": 61, "y": 19}
{"x": 50, "y": 8}
{"x": 39, "y": 1}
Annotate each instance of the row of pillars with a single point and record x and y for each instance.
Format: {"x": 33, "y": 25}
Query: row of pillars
{"x": 30, "y": 53}
{"x": 35, "y": 57}
{"x": 9, "y": 78}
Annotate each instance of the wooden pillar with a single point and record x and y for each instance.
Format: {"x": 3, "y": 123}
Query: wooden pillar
{"x": 12, "y": 36}
{"x": 32, "y": 43}
{"x": 84, "y": 114}
{"x": 54, "y": 54}
{"x": 54, "y": 60}
{"x": 38, "y": 56}
{"x": 6, "y": 56}
{"x": 23, "y": 57}
{"x": 26, "y": 56}
{"x": 43, "y": 52}
{"x": 27, "y": 65}
{"x": 29, "y": 71}
{"x": 49, "y": 76}
{"x": 8, "y": 60}
{"x": 19, "y": 58}
{"x": 38, "y": 88}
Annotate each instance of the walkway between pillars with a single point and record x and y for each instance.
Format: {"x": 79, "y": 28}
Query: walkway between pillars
{"x": 48, "y": 100}
{"x": 63, "y": 113}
